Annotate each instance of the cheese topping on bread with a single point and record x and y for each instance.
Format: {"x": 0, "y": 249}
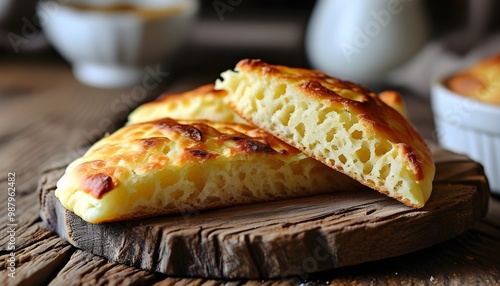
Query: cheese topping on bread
{"x": 168, "y": 167}
{"x": 342, "y": 124}
{"x": 201, "y": 103}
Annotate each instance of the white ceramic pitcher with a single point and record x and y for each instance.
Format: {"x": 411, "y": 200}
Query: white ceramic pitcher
{"x": 363, "y": 40}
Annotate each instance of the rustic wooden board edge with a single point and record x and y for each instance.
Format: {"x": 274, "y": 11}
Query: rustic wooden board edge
{"x": 314, "y": 252}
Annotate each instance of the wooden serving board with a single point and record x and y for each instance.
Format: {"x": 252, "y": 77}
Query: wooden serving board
{"x": 285, "y": 238}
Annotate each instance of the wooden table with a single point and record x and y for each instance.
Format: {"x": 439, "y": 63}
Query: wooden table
{"x": 46, "y": 116}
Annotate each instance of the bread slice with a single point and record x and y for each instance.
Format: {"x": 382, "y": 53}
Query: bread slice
{"x": 201, "y": 103}
{"x": 168, "y": 167}
{"x": 342, "y": 124}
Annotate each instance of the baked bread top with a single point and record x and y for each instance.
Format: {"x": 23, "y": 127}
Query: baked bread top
{"x": 201, "y": 103}
{"x": 168, "y": 167}
{"x": 340, "y": 123}
{"x": 480, "y": 82}
{"x": 394, "y": 100}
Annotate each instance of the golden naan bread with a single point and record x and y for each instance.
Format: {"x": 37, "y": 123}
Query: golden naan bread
{"x": 169, "y": 167}
{"x": 201, "y": 103}
{"x": 340, "y": 123}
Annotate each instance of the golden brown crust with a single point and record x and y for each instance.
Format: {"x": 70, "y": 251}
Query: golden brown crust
{"x": 201, "y": 90}
{"x": 394, "y": 100}
{"x": 203, "y": 102}
{"x": 167, "y": 167}
{"x": 305, "y": 75}
{"x": 480, "y": 82}
{"x": 195, "y": 141}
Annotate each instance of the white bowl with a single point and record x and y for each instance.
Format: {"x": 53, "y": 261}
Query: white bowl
{"x": 470, "y": 127}
{"x": 114, "y": 48}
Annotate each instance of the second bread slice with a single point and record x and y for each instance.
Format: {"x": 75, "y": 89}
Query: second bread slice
{"x": 342, "y": 124}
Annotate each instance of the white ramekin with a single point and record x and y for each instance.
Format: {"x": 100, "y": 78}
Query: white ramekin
{"x": 469, "y": 127}
{"x": 113, "y": 49}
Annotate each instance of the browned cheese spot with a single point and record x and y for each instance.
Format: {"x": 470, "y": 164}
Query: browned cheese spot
{"x": 97, "y": 185}
{"x": 186, "y": 130}
{"x": 149, "y": 142}
{"x": 200, "y": 154}
{"x": 250, "y": 145}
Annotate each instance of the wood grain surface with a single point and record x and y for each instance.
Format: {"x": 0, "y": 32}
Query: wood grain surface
{"x": 46, "y": 117}
{"x": 285, "y": 238}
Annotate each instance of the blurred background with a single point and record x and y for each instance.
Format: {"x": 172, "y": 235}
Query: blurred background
{"x": 281, "y": 32}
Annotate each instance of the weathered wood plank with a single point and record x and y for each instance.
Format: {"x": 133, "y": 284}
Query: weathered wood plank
{"x": 25, "y": 223}
{"x": 280, "y": 239}
{"x": 473, "y": 258}
{"x": 204, "y": 282}
{"x": 86, "y": 269}
{"x": 36, "y": 263}
{"x": 38, "y": 252}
